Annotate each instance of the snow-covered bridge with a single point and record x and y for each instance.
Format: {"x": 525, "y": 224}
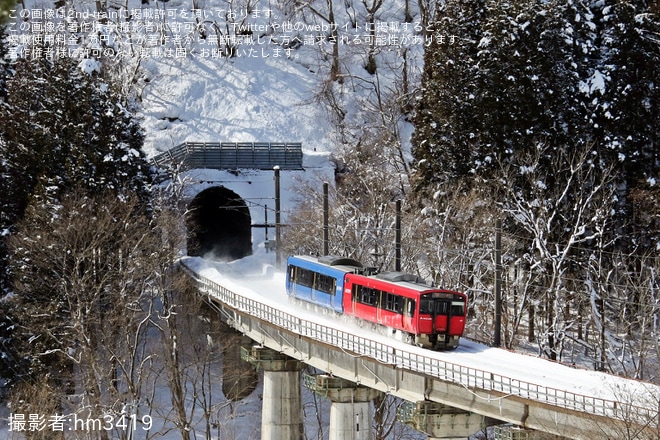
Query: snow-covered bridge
{"x": 481, "y": 383}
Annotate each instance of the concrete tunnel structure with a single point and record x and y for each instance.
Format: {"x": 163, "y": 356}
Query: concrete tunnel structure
{"x": 218, "y": 225}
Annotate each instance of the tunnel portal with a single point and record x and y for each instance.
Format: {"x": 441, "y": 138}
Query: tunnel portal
{"x": 219, "y": 225}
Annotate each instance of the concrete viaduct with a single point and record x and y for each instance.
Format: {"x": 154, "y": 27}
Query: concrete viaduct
{"x": 447, "y": 400}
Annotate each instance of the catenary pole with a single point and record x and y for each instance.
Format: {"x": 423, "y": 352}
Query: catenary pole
{"x": 326, "y": 215}
{"x": 278, "y": 256}
{"x": 497, "y": 340}
{"x": 397, "y": 238}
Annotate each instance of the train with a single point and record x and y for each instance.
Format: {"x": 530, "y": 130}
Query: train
{"x": 400, "y": 303}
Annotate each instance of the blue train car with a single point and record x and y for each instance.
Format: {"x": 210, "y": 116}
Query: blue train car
{"x": 319, "y": 280}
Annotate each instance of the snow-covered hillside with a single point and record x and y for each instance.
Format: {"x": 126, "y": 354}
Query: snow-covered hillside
{"x": 276, "y": 87}
{"x": 238, "y": 100}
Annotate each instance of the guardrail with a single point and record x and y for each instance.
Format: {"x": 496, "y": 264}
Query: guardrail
{"x": 472, "y": 378}
{"x": 233, "y": 155}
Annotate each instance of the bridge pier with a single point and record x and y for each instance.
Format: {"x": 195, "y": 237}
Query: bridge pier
{"x": 440, "y": 421}
{"x": 239, "y": 379}
{"x": 281, "y": 414}
{"x": 350, "y": 408}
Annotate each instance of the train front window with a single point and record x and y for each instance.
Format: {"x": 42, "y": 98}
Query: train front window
{"x": 433, "y": 306}
{"x": 457, "y": 308}
{"x": 426, "y": 306}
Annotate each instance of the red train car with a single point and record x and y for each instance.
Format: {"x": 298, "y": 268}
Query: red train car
{"x": 418, "y": 314}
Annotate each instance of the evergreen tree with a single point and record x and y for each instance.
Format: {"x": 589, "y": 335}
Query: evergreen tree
{"x": 62, "y": 128}
{"x": 5, "y": 8}
{"x": 626, "y": 114}
{"x": 5, "y": 195}
{"x": 548, "y": 108}
{"x": 626, "y": 108}
{"x": 442, "y": 144}
{"x": 4, "y": 62}
{"x": 531, "y": 74}
{"x": 513, "y": 84}
{"x": 9, "y": 363}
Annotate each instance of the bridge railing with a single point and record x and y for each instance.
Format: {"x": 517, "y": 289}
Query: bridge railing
{"x": 471, "y": 378}
{"x": 233, "y": 155}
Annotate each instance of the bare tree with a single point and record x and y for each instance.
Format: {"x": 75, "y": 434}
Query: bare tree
{"x": 78, "y": 264}
{"x": 450, "y": 243}
{"x": 559, "y": 208}
{"x": 372, "y": 9}
{"x": 361, "y": 214}
{"x": 39, "y": 398}
{"x": 323, "y": 11}
{"x": 624, "y": 292}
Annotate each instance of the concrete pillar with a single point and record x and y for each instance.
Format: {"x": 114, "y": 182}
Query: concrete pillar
{"x": 239, "y": 378}
{"x": 281, "y": 414}
{"x": 350, "y": 421}
{"x": 440, "y": 421}
{"x": 350, "y": 408}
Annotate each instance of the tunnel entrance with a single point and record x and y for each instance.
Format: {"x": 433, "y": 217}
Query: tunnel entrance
{"x": 219, "y": 225}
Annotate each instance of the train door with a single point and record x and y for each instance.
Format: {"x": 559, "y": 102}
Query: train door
{"x": 456, "y": 318}
{"x": 379, "y": 306}
{"x": 409, "y": 315}
{"x": 351, "y": 293}
{"x": 435, "y": 316}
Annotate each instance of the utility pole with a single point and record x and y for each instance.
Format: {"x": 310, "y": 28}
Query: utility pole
{"x": 266, "y": 225}
{"x": 397, "y": 238}
{"x": 326, "y": 215}
{"x": 278, "y": 256}
{"x": 497, "y": 340}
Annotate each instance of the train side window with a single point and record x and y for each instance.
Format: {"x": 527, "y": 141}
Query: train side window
{"x": 388, "y": 300}
{"x": 364, "y": 295}
{"x": 325, "y": 283}
{"x": 305, "y": 277}
{"x": 398, "y": 304}
{"x": 393, "y": 303}
{"x": 372, "y": 297}
{"x": 368, "y": 296}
